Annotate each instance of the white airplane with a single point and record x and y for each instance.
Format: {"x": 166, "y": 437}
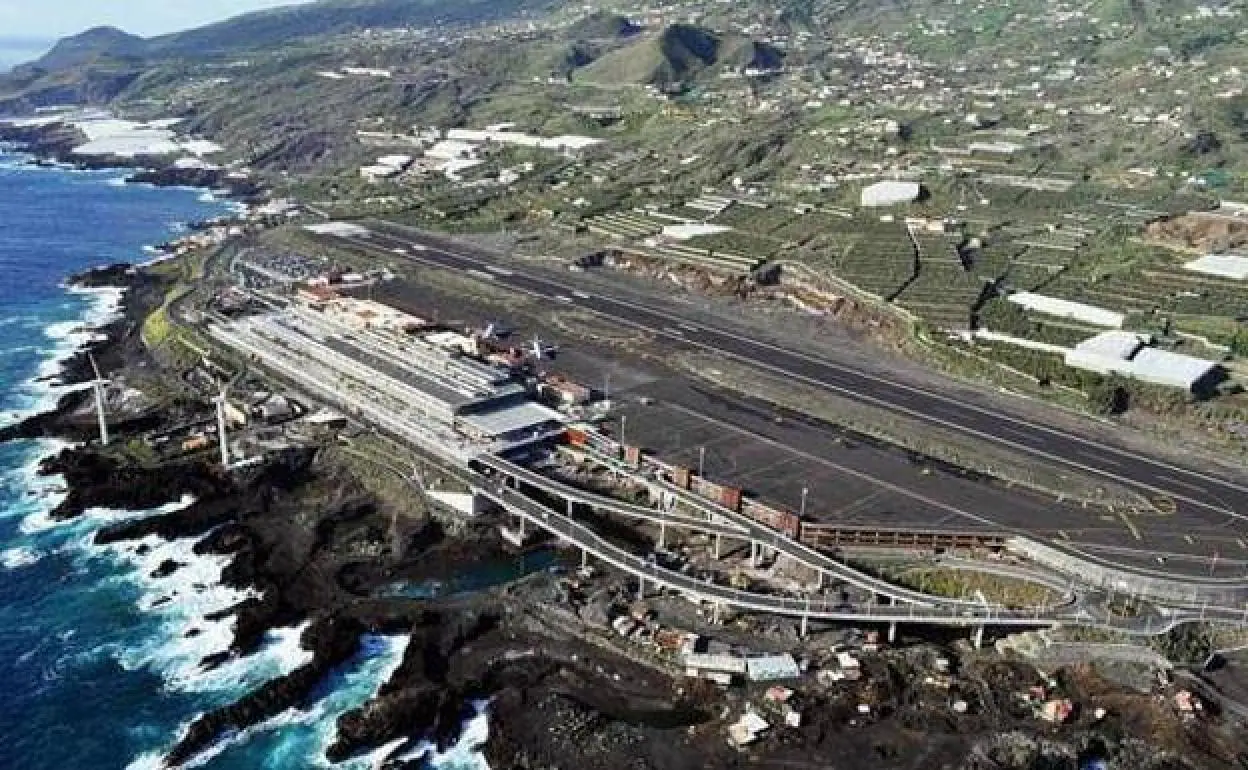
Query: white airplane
{"x": 542, "y": 350}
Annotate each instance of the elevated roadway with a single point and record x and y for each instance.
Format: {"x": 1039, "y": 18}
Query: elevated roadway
{"x": 734, "y": 525}
{"x": 606, "y": 504}
{"x": 649, "y": 573}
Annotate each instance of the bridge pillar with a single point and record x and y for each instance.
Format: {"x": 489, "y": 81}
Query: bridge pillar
{"x": 977, "y": 639}
{"x": 571, "y": 507}
{"x": 819, "y": 580}
{"x": 805, "y": 626}
{"x": 520, "y": 526}
{"x": 584, "y": 558}
{"x": 662, "y": 535}
{"x": 641, "y": 587}
{"x": 892, "y": 632}
{"x": 753, "y": 553}
{"x": 719, "y": 539}
{"x": 716, "y": 613}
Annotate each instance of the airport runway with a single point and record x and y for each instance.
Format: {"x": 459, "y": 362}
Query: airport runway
{"x": 1222, "y": 501}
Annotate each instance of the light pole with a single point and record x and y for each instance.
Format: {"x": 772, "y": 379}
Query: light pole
{"x": 701, "y": 462}
{"x": 623, "y": 427}
{"x": 805, "y": 492}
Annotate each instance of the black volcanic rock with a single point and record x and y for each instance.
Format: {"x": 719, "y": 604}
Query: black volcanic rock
{"x": 333, "y": 641}
{"x": 96, "y": 481}
{"x": 209, "y": 178}
{"x": 167, "y": 568}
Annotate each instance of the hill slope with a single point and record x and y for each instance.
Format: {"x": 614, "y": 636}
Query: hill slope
{"x": 276, "y": 27}
{"x": 678, "y": 54}
{"x": 89, "y": 46}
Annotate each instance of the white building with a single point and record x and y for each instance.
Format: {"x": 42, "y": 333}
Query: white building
{"x": 1064, "y": 308}
{"x": 890, "y": 193}
{"x": 1125, "y": 354}
{"x": 1233, "y": 266}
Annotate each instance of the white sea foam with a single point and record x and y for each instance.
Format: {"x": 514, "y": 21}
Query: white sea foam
{"x": 41, "y": 393}
{"x": 22, "y": 556}
{"x": 92, "y": 518}
{"x": 154, "y": 760}
{"x": 465, "y": 754}
{"x": 379, "y": 658}
{"x": 281, "y": 654}
{"x": 375, "y": 759}
{"x": 382, "y": 657}
{"x": 182, "y": 601}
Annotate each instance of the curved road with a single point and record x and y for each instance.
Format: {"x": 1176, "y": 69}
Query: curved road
{"x": 583, "y": 537}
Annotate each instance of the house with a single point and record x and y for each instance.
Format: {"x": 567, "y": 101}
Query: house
{"x": 767, "y": 668}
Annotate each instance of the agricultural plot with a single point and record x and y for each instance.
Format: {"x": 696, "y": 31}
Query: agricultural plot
{"x": 1052, "y": 331}
{"x": 881, "y": 260}
{"x": 722, "y": 262}
{"x": 735, "y": 242}
{"x": 763, "y": 221}
{"x": 944, "y": 294}
{"x": 1160, "y": 288}
{"x": 625, "y": 225}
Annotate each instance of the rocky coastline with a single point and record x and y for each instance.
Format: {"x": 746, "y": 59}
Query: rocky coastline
{"x": 54, "y": 143}
{"x": 295, "y": 527}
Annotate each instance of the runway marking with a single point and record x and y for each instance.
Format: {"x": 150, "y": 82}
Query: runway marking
{"x": 857, "y": 504}
{"x": 1105, "y": 460}
{"x": 884, "y": 403}
{"x": 1011, "y": 431}
{"x": 841, "y": 468}
{"x": 1135, "y": 532}
{"x": 1183, "y": 484}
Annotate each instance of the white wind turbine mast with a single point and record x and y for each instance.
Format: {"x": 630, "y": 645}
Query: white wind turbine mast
{"x": 98, "y": 385}
{"x": 222, "y": 434}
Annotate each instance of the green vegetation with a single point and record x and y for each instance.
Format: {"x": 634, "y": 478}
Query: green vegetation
{"x": 963, "y": 584}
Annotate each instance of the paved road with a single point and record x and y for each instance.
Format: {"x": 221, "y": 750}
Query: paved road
{"x": 704, "y": 524}
{"x": 1224, "y": 498}
{"x": 583, "y": 537}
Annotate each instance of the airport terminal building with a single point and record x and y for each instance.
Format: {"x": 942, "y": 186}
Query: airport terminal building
{"x": 449, "y": 402}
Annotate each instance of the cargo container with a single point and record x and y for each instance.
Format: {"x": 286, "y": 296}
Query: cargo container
{"x": 783, "y": 521}
{"x": 195, "y": 443}
{"x": 730, "y": 498}
{"x": 681, "y": 477}
{"x": 707, "y": 489}
{"x": 632, "y": 456}
{"x": 577, "y": 437}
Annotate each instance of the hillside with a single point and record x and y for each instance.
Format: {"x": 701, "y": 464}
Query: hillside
{"x": 279, "y": 26}
{"x": 603, "y": 26}
{"x": 89, "y": 46}
{"x": 678, "y": 54}
{"x": 273, "y": 28}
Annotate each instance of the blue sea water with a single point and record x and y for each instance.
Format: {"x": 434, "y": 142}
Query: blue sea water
{"x": 97, "y": 667}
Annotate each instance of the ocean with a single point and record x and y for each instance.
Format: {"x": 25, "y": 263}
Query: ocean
{"x": 19, "y": 50}
{"x": 99, "y": 661}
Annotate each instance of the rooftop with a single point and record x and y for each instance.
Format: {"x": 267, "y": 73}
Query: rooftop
{"x": 523, "y": 416}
